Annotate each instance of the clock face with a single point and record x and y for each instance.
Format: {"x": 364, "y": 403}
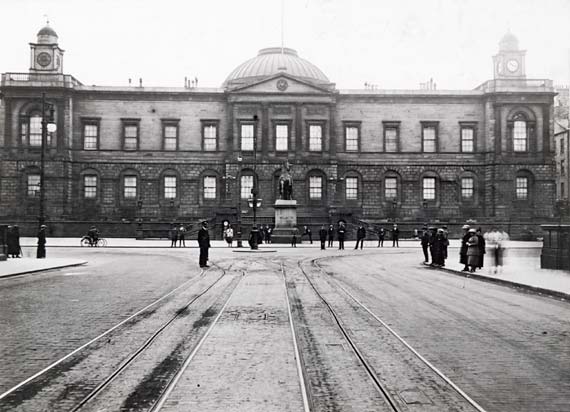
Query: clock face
{"x": 512, "y": 65}
{"x": 282, "y": 85}
{"x": 43, "y": 59}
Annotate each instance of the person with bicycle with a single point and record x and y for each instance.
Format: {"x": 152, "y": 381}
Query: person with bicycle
{"x": 93, "y": 234}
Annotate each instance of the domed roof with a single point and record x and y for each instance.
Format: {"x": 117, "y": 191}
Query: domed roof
{"x": 47, "y": 35}
{"x": 275, "y": 60}
{"x": 509, "y": 42}
{"x": 47, "y": 31}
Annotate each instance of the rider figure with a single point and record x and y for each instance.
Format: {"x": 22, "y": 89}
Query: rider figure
{"x": 93, "y": 234}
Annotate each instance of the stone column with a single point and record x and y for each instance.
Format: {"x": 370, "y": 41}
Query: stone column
{"x": 332, "y": 130}
{"x": 298, "y": 130}
{"x": 264, "y": 131}
{"x": 230, "y": 143}
{"x": 8, "y": 142}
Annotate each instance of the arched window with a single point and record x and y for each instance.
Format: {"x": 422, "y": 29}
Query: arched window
{"x": 31, "y": 126}
{"x": 130, "y": 182}
{"x": 430, "y": 187}
{"x": 246, "y": 184}
{"x": 90, "y": 184}
{"x": 468, "y": 187}
{"x": 521, "y": 125}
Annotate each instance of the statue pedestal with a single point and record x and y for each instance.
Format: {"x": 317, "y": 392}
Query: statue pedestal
{"x": 285, "y": 221}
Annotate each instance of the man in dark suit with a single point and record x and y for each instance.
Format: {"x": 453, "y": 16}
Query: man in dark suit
{"x": 341, "y": 232}
{"x": 204, "y": 244}
{"x": 331, "y": 235}
{"x": 395, "y": 236}
{"x": 360, "y": 235}
{"x": 323, "y": 236}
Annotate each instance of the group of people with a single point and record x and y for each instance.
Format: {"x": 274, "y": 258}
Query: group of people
{"x": 434, "y": 243}
{"x": 14, "y": 250}
{"x": 178, "y": 235}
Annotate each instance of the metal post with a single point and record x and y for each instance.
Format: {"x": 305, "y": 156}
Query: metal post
{"x": 41, "y": 250}
{"x": 254, "y": 190}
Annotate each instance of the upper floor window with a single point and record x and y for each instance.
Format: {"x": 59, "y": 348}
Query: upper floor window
{"x": 170, "y": 135}
{"x": 247, "y": 136}
{"x": 33, "y": 185}
{"x": 429, "y": 137}
{"x": 562, "y": 146}
{"x": 246, "y": 186}
{"x": 90, "y": 135}
{"x": 562, "y": 167}
{"x": 521, "y": 188}
{"x": 467, "y": 139}
{"x": 129, "y": 187}
{"x": 209, "y": 187}
{"x": 391, "y": 136}
{"x": 315, "y": 187}
{"x": 391, "y": 188}
{"x": 467, "y": 188}
{"x": 520, "y": 136}
{"x": 428, "y": 188}
{"x": 210, "y": 135}
{"x": 315, "y": 137}
{"x": 31, "y": 131}
{"x": 562, "y": 194}
{"x": 351, "y": 138}
{"x": 281, "y": 137}
{"x": 351, "y": 185}
{"x": 130, "y": 134}
{"x": 90, "y": 186}
{"x": 170, "y": 187}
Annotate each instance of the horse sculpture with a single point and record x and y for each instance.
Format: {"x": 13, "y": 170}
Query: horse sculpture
{"x": 286, "y": 183}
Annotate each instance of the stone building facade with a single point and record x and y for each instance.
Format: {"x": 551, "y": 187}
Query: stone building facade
{"x": 154, "y": 155}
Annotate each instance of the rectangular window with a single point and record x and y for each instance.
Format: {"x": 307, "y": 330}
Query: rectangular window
{"x": 131, "y": 136}
{"x": 246, "y": 186}
{"x": 130, "y": 187}
{"x": 33, "y": 185}
{"x": 23, "y": 132}
{"x": 351, "y": 138}
{"x": 170, "y": 136}
{"x": 281, "y": 137}
{"x": 391, "y": 188}
{"x": 315, "y": 187}
{"x": 210, "y": 133}
{"x": 520, "y": 143}
{"x": 390, "y": 139}
{"x": 351, "y": 188}
{"x": 562, "y": 146}
{"x": 90, "y": 136}
{"x": 467, "y": 188}
{"x": 247, "y": 137}
{"x": 429, "y": 134}
{"x": 315, "y": 138}
{"x": 429, "y": 188}
{"x": 562, "y": 167}
{"x": 467, "y": 139}
{"x": 562, "y": 194}
{"x": 209, "y": 187}
{"x": 90, "y": 187}
{"x": 522, "y": 188}
{"x": 35, "y": 138}
{"x": 170, "y": 184}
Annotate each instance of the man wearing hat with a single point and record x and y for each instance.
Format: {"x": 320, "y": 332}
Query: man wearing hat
{"x": 463, "y": 249}
{"x": 204, "y": 244}
{"x": 425, "y": 241}
{"x": 41, "y": 251}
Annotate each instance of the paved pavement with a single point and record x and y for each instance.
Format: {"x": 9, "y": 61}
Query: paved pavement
{"x": 522, "y": 268}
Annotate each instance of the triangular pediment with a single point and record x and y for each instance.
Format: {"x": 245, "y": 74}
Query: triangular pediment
{"x": 283, "y": 83}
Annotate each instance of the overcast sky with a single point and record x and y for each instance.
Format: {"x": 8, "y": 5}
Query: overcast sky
{"x": 395, "y": 44}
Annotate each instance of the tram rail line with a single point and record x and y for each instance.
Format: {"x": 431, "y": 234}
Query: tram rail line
{"x": 448, "y": 381}
{"x": 56, "y": 367}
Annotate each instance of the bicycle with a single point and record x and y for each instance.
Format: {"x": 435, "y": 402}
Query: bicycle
{"x": 87, "y": 241}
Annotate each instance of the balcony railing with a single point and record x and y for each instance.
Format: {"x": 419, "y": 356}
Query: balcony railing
{"x": 39, "y": 79}
{"x": 517, "y": 85}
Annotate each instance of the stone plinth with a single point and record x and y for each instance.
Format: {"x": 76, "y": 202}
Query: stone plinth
{"x": 555, "y": 247}
{"x": 285, "y": 220}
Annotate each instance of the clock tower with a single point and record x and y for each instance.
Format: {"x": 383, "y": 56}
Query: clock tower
{"x": 509, "y": 62}
{"x": 45, "y": 55}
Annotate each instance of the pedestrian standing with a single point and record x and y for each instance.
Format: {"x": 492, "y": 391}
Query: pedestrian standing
{"x": 395, "y": 236}
{"x": 463, "y": 250}
{"x": 331, "y": 235}
{"x": 472, "y": 250}
{"x": 229, "y": 235}
{"x": 181, "y": 236}
{"x": 439, "y": 245}
{"x": 482, "y": 246}
{"x": 11, "y": 241}
{"x": 204, "y": 244}
{"x": 17, "y": 246}
{"x": 173, "y": 236}
{"x": 323, "y": 236}
{"x": 294, "y": 233}
{"x": 307, "y": 232}
{"x": 360, "y": 235}
{"x": 265, "y": 233}
{"x": 341, "y": 231}
{"x": 41, "y": 252}
{"x": 425, "y": 241}
{"x": 492, "y": 239}
{"x": 381, "y": 235}
{"x": 269, "y": 233}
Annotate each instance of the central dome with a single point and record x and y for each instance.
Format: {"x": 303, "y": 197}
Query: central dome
{"x": 271, "y": 61}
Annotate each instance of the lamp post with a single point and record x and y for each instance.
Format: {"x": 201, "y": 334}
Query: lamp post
{"x": 253, "y": 201}
{"x": 48, "y": 125}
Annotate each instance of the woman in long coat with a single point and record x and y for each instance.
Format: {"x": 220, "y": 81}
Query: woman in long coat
{"x": 473, "y": 250}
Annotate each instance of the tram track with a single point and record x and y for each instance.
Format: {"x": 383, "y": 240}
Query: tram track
{"x": 361, "y": 345}
{"x": 64, "y": 386}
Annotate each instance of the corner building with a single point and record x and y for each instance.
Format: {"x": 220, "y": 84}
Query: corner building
{"x": 155, "y": 155}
